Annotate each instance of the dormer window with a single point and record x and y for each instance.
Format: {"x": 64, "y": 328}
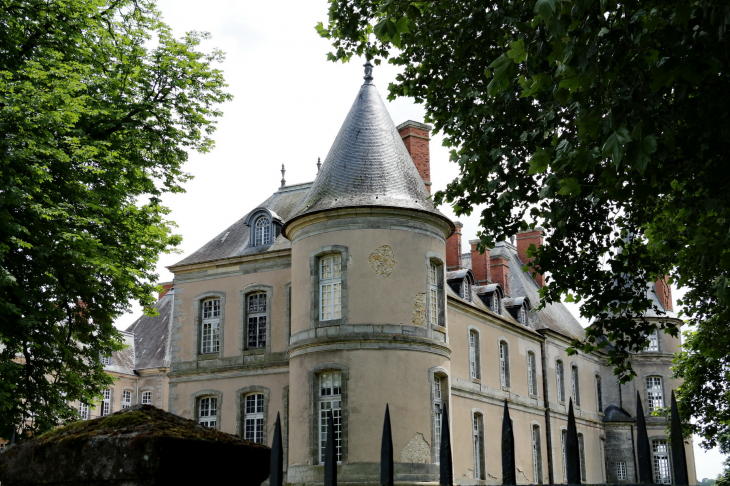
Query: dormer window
{"x": 520, "y": 309}
{"x": 461, "y": 282}
{"x": 263, "y": 231}
{"x": 465, "y": 290}
{"x": 264, "y": 226}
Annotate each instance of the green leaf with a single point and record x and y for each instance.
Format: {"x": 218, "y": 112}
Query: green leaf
{"x": 539, "y": 162}
{"x": 647, "y": 146}
{"x": 561, "y": 96}
{"x": 613, "y": 147}
{"x": 402, "y": 26}
{"x": 569, "y": 187}
{"x": 545, "y": 9}
{"x": 380, "y": 30}
{"x": 517, "y": 51}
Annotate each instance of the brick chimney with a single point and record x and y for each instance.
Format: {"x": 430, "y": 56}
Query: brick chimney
{"x": 524, "y": 240}
{"x": 453, "y": 249}
{"x": 415, "y": 136}
{"x": 480, "y": 264}
{"x": 166, "y": 286}
{"x": 499, "y": 267}
{"x": 664, "y": 292}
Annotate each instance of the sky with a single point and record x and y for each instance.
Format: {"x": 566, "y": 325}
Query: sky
{"x": 289, "y": 103}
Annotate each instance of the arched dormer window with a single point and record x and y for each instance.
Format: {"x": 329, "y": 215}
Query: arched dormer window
{"x": 520, "y": 309}
{"x": 461, "y": 282}
{"x": 264, "y": 226}
{"x": 491, "y": 295}
{"x": 262, "y": 231}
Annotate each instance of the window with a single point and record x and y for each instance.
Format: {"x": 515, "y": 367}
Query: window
{"x": 522, "y": 316}
{"x": 210, "y": 340}
{"x": 208, "y": 412}
{"x": 575, "y": 385}
{"x": 496, "y": 307}
{"x": 563, "y": 440}
{"x": 478, "y": 441}
{"x": 653, "y": 342}
{"x": 660, "y": 451}
{"x": 126, "y": 399}
{"x": 263, "y": 231}
{"x": 438, "y": 408}
{"x": 83, "y": 411}
{"x": 106, "y": 402}
{"x": 146, "y": 398}
{"x": 560, "y": 377}
{"x": 465, "y": 289}
{"x": 257, "y": 320}
{"x": 536, "y": 455}
{"x": 654, "y": 393}
{"x": 531, "y": 373}
{"x": 433, "y": 292}
{"x": 330, "y": 398}
{"x": 621, "y": 470}
{"x": 254, "y": 418}
{"x": 330, "y": 287}
{"x": 474, "y": 355}
{"x": 599, "y": 394}
{"x": 582, "y": 454}
{"x": 504, "y": 363}
{"x": 106, "y": 360}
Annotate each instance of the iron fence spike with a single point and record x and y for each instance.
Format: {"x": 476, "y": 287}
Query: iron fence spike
{"x": 572, "y": 454}
{"x": 446, "y": 472}
{"x": 508, "y": 449}
{"x": 386, "y": 452}
{"x": 679, "y": 455}
{"x": 643, "y": 452}
{"x": 276, "y": 464}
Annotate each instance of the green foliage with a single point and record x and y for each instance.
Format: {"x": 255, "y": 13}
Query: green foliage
{"x": 604, "y": 122}
{"x": 99, "y": 104}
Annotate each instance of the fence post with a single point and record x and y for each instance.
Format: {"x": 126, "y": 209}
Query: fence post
{"x": 679, "y": 457}
{"x": 386, "y": 452}
{"x": 642, "y": 444}
{"x": 276, "y": 463}
{"x": 330, "y": 456}
{"x": 572, "y": 454}
{"x": 508, "y": 449}
{"x": 446, "y": 473}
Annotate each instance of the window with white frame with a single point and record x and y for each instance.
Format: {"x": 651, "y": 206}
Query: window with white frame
{"x": 599, "y": 394}
{"x": 208, "y": 412}
{"x": 330, "y": 287}
{"x": 126, "y": 399}
{"x": 83, "y": 411}
{"x": 474, "y": 355}
{"x": 531, "y": 373}
{"x": 496, "y": 306}
{"x": 257, "y": 320}
{"x": 503, "y": 363}
{"x": 621, "y": 470}
{"x": 536, "y": 455}
{"x": 575, "y": 385}
{"x": 466, "y": 289}
{"x": 478, "y": 442}
{"x": 263, "y": 231}
{"x": 105, "y": 360}
{"x": 522, "y": 315}
{"x": 660, "y": 453}
{"x": 146, "y": 398}
{"x": 582, "y": 456}
{"x": 438, "y": 409}
{"x": 654, "y": 393}
{"x": 106, "y": 402}
{"x": 560, "y": 378}
{"x": 653, "y": 342}
{"x": 253, "y": 428}
{"x": 330, "y": 399}
{"x": 210, "y": 328}
{"x": 563, "y": 440}
{"x": 434, "y": 271}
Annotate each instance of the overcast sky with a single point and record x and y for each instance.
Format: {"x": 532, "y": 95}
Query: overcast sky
{"x": 289, "y": 103}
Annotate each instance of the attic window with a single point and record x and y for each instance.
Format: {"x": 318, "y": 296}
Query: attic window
{"x": 263, "y": 231}
{"x": 495, "y": 304}
{"x": 523, "y": 316}
{"x": 466, "y": 289}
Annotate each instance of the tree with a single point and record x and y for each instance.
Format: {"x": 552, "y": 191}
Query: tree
{"x": 98, "y": 105}
{"x": 603, "y": 121}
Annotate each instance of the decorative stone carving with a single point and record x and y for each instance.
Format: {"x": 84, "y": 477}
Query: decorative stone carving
{"x": 382, "y": 261}
{"x": 417, "y": 450}
{"x": 419, "y": 309}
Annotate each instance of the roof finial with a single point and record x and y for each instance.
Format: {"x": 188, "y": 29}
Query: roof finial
{"x": 319, "y": 164}
{"x": 368, "y": 72}
{"x": 283, "y": 170}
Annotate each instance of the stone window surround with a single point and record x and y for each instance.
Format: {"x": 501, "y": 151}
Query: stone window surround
{"x": 147, "y": 388}
{"x": 658, "y": 342}
{"x": 478, "y": 351}
{"x": 563, "y": 451}
{"x": 433, "y": 257}
{"x": 434, "y": 373}
{"x": 507, "y": 378}
{"x": 535, "y": 424}
{"x": 582, "y": 456}
{"x": 241, "y": 403}
{"x": 251, "y": 223}
{"x": 577, "y": 401}
{"x": 560, "y": 390}
{"x": 112, "y": 396}
{"x": 478, "y": 412}
{"x": 195, "y": 402}
{"x": 669, "y": 453}
{"x": 287, "y": 313}
{"x": 598, "y": 384}
{"x": 132, "y": 398}
{"x": 314, "y": 285}
{"x": 663, "y": 376}
{"x": 243, "y": 322}
{"x": 535, "y": 382}
{"x": 314, "y": 409}
{"x": 198, "y": 320}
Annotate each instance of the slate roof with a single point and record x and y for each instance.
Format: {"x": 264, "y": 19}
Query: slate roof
{"x": 614, "y": 413}
{"x": 151, "y": 335}
{"x": 123, "y": 361}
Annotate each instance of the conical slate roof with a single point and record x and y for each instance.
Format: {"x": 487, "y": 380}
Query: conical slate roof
{"x": 368, "y": 165}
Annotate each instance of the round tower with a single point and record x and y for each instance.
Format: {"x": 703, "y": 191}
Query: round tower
{"x": 368, "y": 306}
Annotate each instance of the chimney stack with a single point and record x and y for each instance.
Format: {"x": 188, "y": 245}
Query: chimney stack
{"x": 453, "y": 249}
{"x": 664, "y": 292}
{"x": 480, "y": 264}
{"x": 499, "y": 266}
{"x": 166, "y": 286}
{"x": 524, "y": 240}
{"x": 415, "y": 136}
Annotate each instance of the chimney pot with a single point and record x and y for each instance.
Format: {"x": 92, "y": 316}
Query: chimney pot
{"x": 416, "y": 137}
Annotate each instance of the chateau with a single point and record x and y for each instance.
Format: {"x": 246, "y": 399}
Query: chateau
{"x": 351, "y": 292}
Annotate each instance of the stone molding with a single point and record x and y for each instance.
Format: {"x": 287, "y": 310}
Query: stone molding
{"x": 240, "y": 404}
{"x": 195, "y": 400}
{"x": 198, "y": 320}
{"x": 314, "y": 296}
{"x": 243, "y": 320}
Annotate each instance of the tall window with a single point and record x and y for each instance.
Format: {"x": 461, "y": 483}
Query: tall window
{"x": 106, "y": 402}
{"x": 330, "y": 287}
{"x": 560, "y": 377}
{"x": 654, "y": 393}
{"x": 653, "y": 342}
{"x": 330, "y": 398}
{"x": 146, "y": 398}
{"x": 582, "y": 455}
{"x": 599, "y": 394}
{"x": 474, "y": 355}
{"x": 466, "y": 289}
{"x": 257, "y": 320}
{"x": 660, "y": 451}
{"x": 263, "y": 231}
{"x": 208, "y": 411}
{"x": 522, "y": 315}
{"x": 496, "y": 307}
{"x": 575, "y": 385}
{"x": 210, "y": 340}
{"x": 83, "y": 411}
{"x": 531, "y": 373}
{"x": 478, "y": 441}
{"x": 503, "y": 363}
{"x": 126, "y": 399}
{"x": 536, "y": 455}
{"x": 433, "y": 293}
{"x": 438, "y": 409}
{"x": 253, "y": 428}
{"x": 621, "y": 470}
{"x": 563, "y": 440}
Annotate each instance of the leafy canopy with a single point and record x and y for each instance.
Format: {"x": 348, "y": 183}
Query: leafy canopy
{"x": 604, "y": 122}
{"x": 99, "y": 104}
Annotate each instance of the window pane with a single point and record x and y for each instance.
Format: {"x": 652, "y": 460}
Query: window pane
{"x": 660, "y": 452}
{"x": 654, "y": 392}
